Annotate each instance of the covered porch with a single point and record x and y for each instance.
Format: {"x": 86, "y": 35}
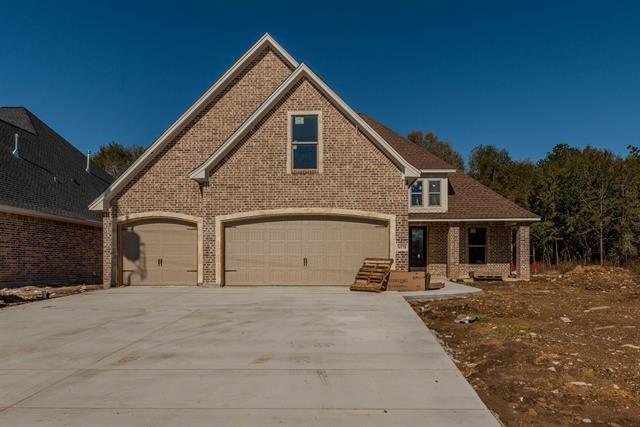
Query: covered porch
{"x": 459, "y": 249}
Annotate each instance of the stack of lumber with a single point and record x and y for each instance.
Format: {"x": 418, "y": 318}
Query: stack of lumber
{"x": 373, "y": 275}
{"x": 485, "y": 277}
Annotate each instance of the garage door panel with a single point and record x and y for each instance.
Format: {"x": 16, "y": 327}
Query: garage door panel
{"x": 334, "y": 250}
{"x": 159, "y": 252}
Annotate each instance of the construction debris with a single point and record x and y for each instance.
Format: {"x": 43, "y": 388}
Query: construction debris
{"x": 503, "y": 361}
{"x": 373, "y": 275}
{"x": 25, "y": 294}
{"x": 465, "y": 319}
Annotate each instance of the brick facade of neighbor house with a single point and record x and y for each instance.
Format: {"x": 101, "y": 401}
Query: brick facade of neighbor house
{"x": 254, "y": 176}
{"x": 37, "y": 250}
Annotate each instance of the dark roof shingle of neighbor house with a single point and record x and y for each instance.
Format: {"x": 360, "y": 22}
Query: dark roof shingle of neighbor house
{"x": 49, "y": 176}
{"x": 468, "y": 199}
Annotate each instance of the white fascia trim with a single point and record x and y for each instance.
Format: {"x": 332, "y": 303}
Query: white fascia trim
{"x": 201, "y": 173}
{"x": 37, "y": 214}
{"x": 437, "y": 170}
{"x": 266, "y": 40}
{"x": 475, "y": 220}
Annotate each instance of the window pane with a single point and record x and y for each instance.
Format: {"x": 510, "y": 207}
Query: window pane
{"x": 417, "y": 187}
{"x": 434, "y": 186}
{"x": 434, "y": 200}
{"x": 304, "y": 128}
{"x": 476, "y": 255}
{"x": 478, "y": 236}
{"x": 305, "y": 156}
{"x": 416, "y": 199}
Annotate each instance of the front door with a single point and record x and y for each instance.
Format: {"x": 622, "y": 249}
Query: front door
{"x": 418, "y": 249}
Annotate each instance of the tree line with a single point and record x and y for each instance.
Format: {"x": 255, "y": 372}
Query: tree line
{"x": 589, "y": 198}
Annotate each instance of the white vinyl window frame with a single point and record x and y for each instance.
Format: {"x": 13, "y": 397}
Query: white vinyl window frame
{"x": 290, "y": 143}
{"x": 433, "y": 193}
{"x": 426, "y": 205}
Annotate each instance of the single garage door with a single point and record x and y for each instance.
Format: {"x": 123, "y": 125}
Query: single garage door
{"x": 159, "y": 253}
{"x": 301, "y": 251}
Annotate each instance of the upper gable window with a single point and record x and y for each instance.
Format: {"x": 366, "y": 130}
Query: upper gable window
{"x": 304, "y": 141}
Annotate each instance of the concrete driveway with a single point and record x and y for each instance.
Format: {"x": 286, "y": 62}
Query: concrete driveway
{"x": 228, "y": 357}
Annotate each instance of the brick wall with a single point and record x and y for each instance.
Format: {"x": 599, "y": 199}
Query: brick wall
{"x": 498, "y": 249}
{"x": 36, "y": 250}
{"x": 498, "y": 252}
{"x": 356, "y": 174}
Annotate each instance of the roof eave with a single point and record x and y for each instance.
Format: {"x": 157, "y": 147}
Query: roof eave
{"x": 512, "y": 219}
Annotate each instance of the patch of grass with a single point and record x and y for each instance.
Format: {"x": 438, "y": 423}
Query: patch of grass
{"x": 635, "y": 268}
{"x": 510, "y": 330}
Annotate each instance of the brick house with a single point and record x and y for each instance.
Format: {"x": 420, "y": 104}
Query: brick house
{"x": 270, "y": 178}
{"x": 47, "y": 232}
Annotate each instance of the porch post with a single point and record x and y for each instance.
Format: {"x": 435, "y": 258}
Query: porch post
{"x": 453, "y": 252}
{"x": 522, "y": 253}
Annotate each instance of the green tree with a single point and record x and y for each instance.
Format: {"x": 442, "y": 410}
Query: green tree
{"x": 116, "y": 158}
{"x": 439, "y": 147}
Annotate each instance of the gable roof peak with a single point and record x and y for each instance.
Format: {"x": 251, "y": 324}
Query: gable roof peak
{"x": 201, "y": 173}
{"x": 265, "y": 41}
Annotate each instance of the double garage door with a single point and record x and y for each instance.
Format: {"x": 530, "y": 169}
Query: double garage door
{"x": 277, "y": 251}
{"x": 301, "y": 251}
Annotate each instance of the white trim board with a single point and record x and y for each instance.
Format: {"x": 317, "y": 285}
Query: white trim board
{"x": 265, "y": 41}
{"x": 475, "y": 220}
{"x": 201, "y": 173}
{"x": 37, "y": 214}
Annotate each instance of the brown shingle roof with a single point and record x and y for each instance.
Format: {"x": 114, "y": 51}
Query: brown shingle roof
{"x": 468, "y": 199}
{"x": 413, "y": 153}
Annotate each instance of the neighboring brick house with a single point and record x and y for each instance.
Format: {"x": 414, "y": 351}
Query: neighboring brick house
{"x": 47, "y": 232}
{"x": 271, "y": 179}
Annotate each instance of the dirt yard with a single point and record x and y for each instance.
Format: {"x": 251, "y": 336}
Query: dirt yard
{"x": 556, "y": 351}
{"x": 26, "y": 294}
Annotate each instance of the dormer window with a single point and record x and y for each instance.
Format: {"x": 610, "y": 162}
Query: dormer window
{"x": 434, "y": 192}
{"x": 305, "y": 142}
{"x": 416, "y": 194}
{"x": 427, "y": 193}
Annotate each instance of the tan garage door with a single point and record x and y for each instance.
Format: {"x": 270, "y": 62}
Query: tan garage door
{"x": 301, "y": 251}
{"x": 159, "y": 253}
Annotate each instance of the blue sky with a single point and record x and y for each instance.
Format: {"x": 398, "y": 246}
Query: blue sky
{"x": 522, "y": 75}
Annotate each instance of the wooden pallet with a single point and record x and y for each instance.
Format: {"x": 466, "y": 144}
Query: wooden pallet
{"x": 373, "y": 275}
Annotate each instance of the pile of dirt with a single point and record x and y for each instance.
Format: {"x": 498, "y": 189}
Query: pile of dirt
{"x": 25, "y": 294}
{"x": 558, "y": 351}
{"x": 601, "y": 278}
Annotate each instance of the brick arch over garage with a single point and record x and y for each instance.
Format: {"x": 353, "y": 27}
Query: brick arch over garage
{"x": 222, "y": 220}
{"x": 123, "y": 220}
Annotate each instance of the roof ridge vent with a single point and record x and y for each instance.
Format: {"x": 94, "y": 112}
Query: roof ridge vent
{"x": 16, "y": 146}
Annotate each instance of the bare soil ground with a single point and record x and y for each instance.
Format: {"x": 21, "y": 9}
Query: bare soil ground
{"x": 26, "y": 294}
{"x": 560, "y": 350}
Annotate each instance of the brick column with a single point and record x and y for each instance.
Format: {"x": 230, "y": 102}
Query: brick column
{"x": 453, "y": 252}
{"x": 108, "y": 248}
{"x": 522, "y": 253}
